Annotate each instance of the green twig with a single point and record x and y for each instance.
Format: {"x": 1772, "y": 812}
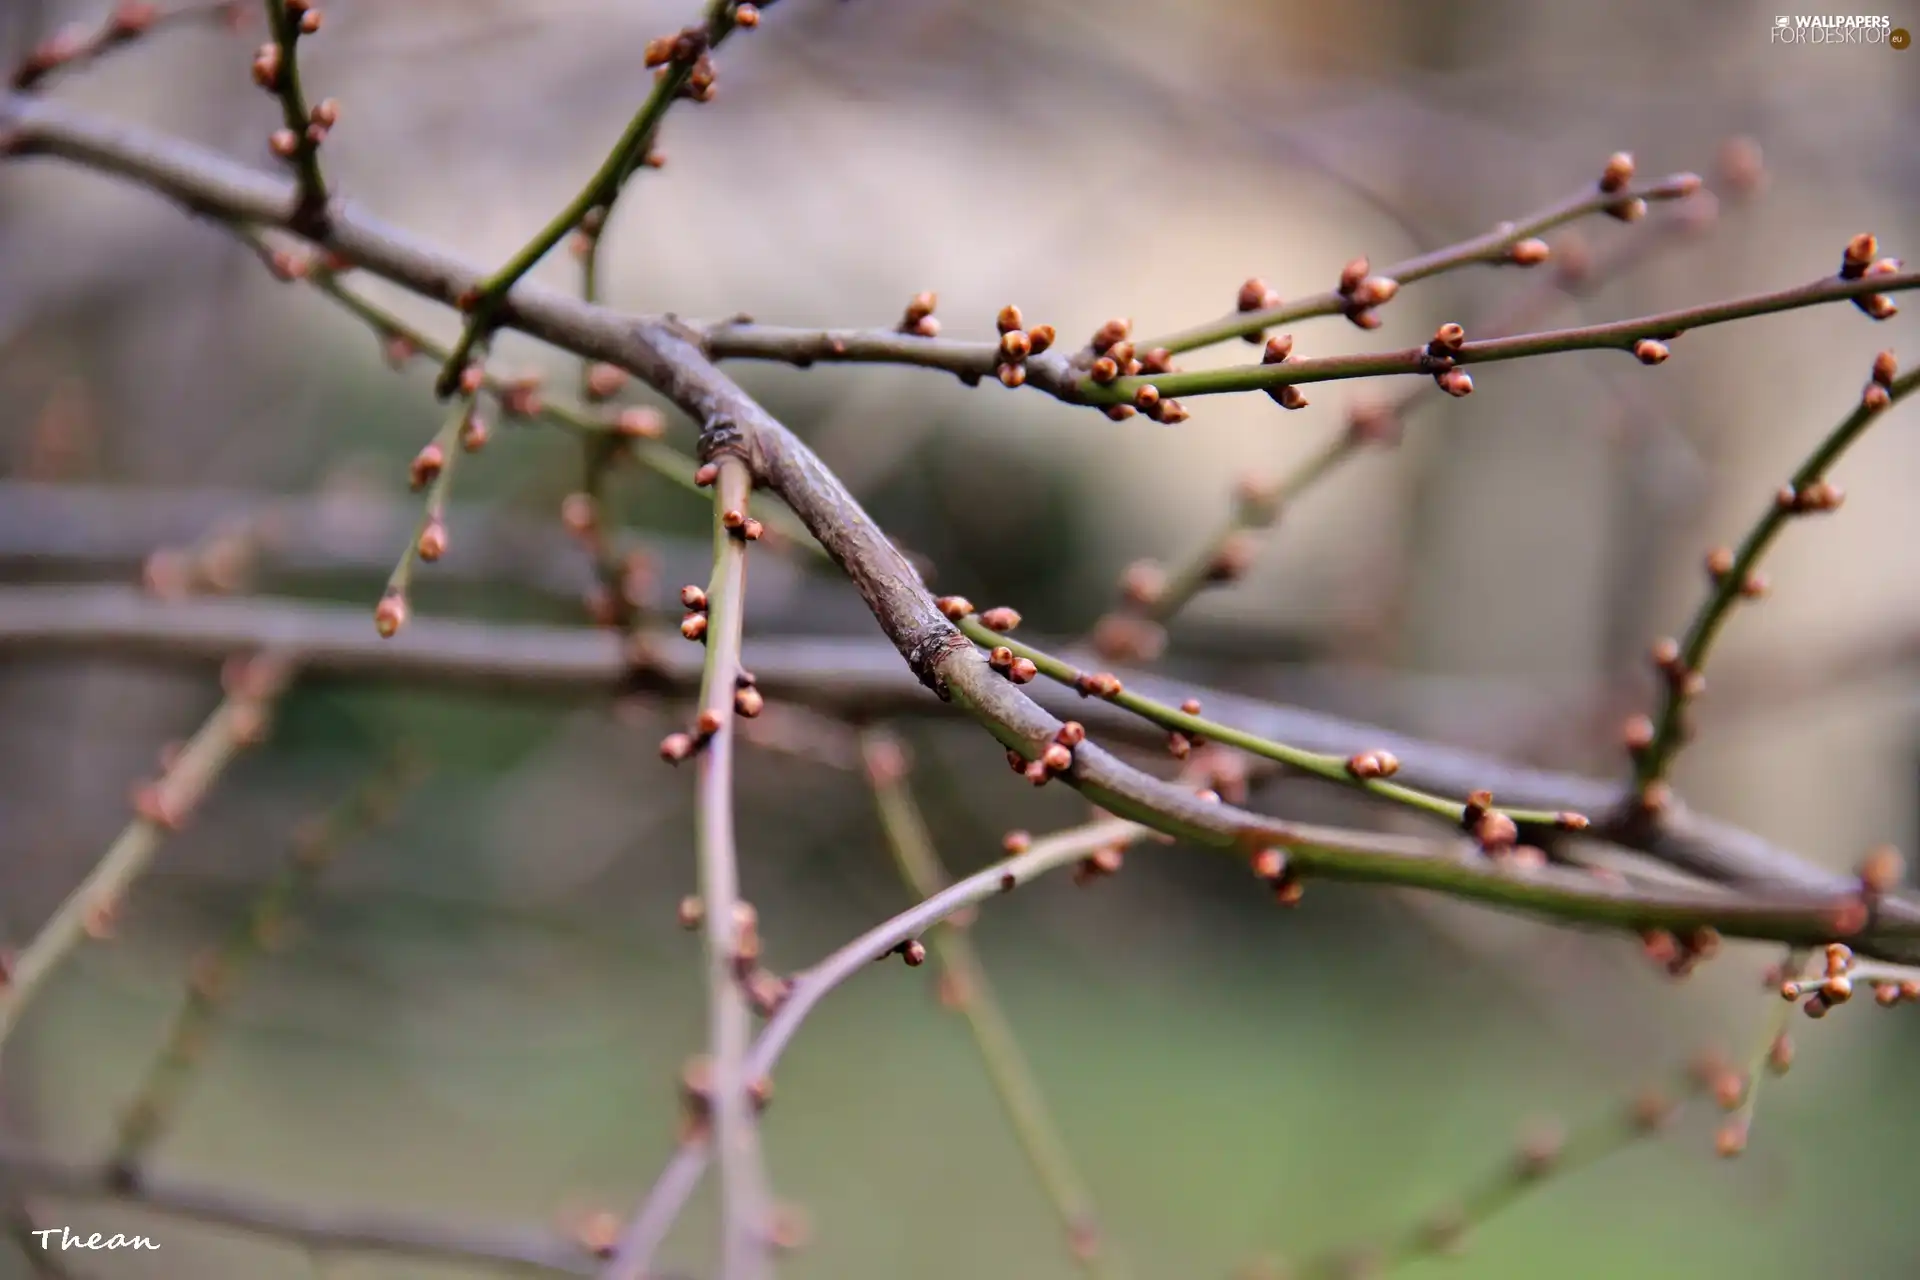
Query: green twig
{"x": 163, "y": 805}
{"x": 966, "y": 982}
{"x": 1733, "y": 579}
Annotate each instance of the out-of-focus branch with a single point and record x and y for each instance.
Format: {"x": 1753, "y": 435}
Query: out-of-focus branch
{"x": 319, "y": 1230}
{"x": 126, "y": 23}
{"x": 854, "y": 678}
{"x": 157, "y": 1100}
{"x": 160, "y": 807}
{"x": 964, "y": 984}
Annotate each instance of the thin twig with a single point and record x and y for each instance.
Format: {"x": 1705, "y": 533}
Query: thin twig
{"x": 483, "y": 302}
{"x": 743, "y": 1217}
{"x": 964, "y": 983}
{"x": 161, "y": 807}
{"x": 157, "y": 1099}
{"x": 127, "y": 22}
{"x": 1733, "y": 577}
{"x": 303, "y": 128}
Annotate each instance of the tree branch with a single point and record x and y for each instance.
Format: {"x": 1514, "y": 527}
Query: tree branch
{"x": 320, "y": 1230}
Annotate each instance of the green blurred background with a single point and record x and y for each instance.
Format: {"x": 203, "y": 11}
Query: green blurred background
{"x": 484, "y": 1008}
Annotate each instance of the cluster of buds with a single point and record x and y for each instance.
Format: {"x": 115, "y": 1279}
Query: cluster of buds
{"x": 685, "y": 53}
{"x": 1678, "y": 953}
{"x": 1362, "y": 292}
{"x": 1860, "y": 260}
{"x": 1055, "y": 758}
{"x": 919, "y": 319}
{"x": 128, "y": 21}
{"x": 1270, "y": 867}
{"x": 1181, "y": 743}
{"x": 740, "y": 525}
{"x": 1496, "y": 833}
{"x": 1017, "y": 669}
{"x": 1279, "y": 350}
{"x": 1614, "y": 178}
{"x": 1879, "y": 392}
{"x": 1835, "y": 985}
{"x": 1369, "y": 766}
{"x": 1256, "y": 295}
{"x": 694, "y": 625}
{"x": 1443, "y": 349}
{"x": 676, "y": 747}
{"x": 1017, "y": 342}
{"x": 1813, "y": 498}
{"x": 1098, "y": 684}
{"x": 1114, "y": 357}
{"x": 1099, "y": 864}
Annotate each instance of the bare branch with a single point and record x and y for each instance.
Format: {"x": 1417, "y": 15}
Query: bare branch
{"x": 160, "y": 807}
{"x": 319, "y": 1230}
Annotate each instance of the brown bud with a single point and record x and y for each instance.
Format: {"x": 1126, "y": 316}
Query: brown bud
{"x": 692, "y": 912}
{"x": 1650, "y": 351}
{"x": 694, "y": 598}
{"x": 1352, "y": 274}
{"x": 1374, "y": 291}
{"x": 426, "y": 466}
{"x": 1885, "y": 368}
{"x": 1496, "y": 831}
{"x": 1256, "y": 295}
{"x": 1014, "y": 345}
{"x": 1455, "y": 382}
{"x": 1269, "y": 864}
{"x": 1637, "y": 733}
{"x": 1009, "y": 320}
{"x": 1628, "y": 210}
{"x": 1001, "y": 619}
{"x": 389, "y": 615}
{"x": 1104, "y": 370}
{"x": 708, "y": 722}
{"x": 1617, "y": 173}
{"x": 1057, "y": 758}
{"x": 1860, "y": 253}
{"x": 955, "y": 607}
{"x": 1448, "y": 337}
{"x": 707, "y": 474}
{"x": 748, "y": 702}
{"x": 1011, "y": 375}
{"x": 432, "y": 543}
{"x": 1882, "y": 870}
{"x": 1022, "y": 671}
{"x": 1071, "y": 734}
{"x": 1277, "y": 350}
{"x": 1113, "y": 331}
{"x": 676, "y": 747}
{"x": 1530, "y": 252}
{"x": 694, "y": 626}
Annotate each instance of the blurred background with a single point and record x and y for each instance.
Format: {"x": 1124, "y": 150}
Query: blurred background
{"x": 484, "y": 1006}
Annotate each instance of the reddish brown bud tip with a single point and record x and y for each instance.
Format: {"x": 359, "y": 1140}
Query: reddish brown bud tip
{"x": 955, "y": 607}
{"x": 914, "y": 952}
{"x": 1022, "y": 671}
{"x": 1455, "y": 382}
{"x": 1269, "y": 864}
{"x": 1650, "y": 351}
{"x": 1016, "y": 842}
{"x": 676, "y": 747}
{"x": 694, "y": 598}
{"x": 432, "y": 543}
{"x": 1860, "y": 253}
{"x": 694, "y": 626}
{"x": 389, "y": 616}
{"x": 1352, "y": 274}
{"x": 426, "y": 466}
{"x": 1530, "y": 252}
{"x": 1256, "y": 295}
{"x": 706, "y": 475}
{"x": 1277, "y": 350}
{"x": 1617, "y": 173}
{"x": 749, "y": 702}
{"x": 1071, "y": 734}
{"x": 692, "y": 912}
{"x": 1001, "y": 619}
{"x": 1009, "y": 319}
